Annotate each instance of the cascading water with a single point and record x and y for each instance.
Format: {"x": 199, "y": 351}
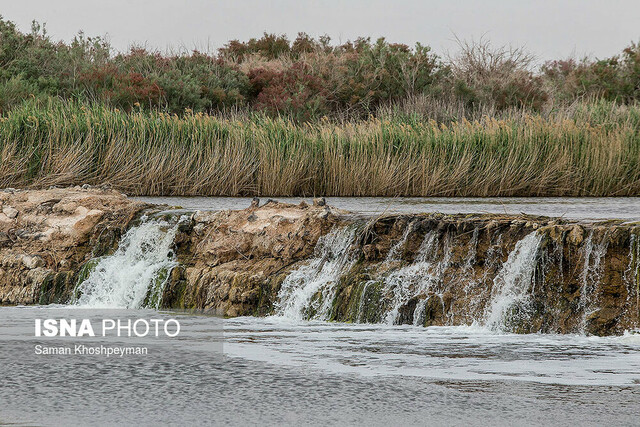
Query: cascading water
{"x": 135, "y": 275}
{"x": 512, "y": 284}
{"x": 593, "y": 254}
{"x": 396, "y": 249}
{"x": 308, "y": 292}
{"x": 470, "y": 260}
{"x": 632, "y": 273}
{"x": 546, "y": 282}
{"x": 416, "y": 279}
{"x": 466, "y": 277}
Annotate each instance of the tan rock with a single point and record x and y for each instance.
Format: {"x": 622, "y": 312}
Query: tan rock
{"x": 86, "y": 223}
{"x": 234, "y": 262}
{"x": 10, "y": 212}
{"x": 5, "y": 219}
{"x": 40, "y": 241}
{"x": 65, "y": 207}
{"x": 576, "y": 235}
{"x": 31, "y": 261}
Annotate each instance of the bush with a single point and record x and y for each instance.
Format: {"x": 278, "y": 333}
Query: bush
{"x": 360, "y": 76}
{"x": 270, "y": 46}
{"x": 220, "y": 85}
{"x": 51, "y": 67}
{"x": 197, "y": 82}
{"x": 307, "y": 78}
{"x": 123, "y": 90}
{"x": 294, "y": 92}
{"x": 497, "y": 77}
{"x": 615, "y": 79}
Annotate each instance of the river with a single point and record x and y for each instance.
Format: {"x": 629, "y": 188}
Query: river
{"x": 272, "y": 371}
{"x": 593, "y": 208}
{"x": 282, "y": 370}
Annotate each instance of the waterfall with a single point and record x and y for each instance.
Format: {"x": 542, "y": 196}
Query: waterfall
{"x": 593, "y": 254}
{"x": 470, "y": 259}
{"x": 456, "y": 276}
{"x": 632, "y": 273}
{"x": 308, "y": 292}
{"x": 417, "y": 280}
{"x": 135, "y": 275}
{"x": 512, "y": 284}
{"x": 396, "y": 249}
{"x": 362, "y": 303}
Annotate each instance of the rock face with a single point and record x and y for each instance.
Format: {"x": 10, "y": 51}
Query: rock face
{"x": 519, "y": 274}
{"x": 232, "y": 262}
{"x": 515, "y": 274}
{"x": 46, "y": 236}
{"x": 512, "y": 273}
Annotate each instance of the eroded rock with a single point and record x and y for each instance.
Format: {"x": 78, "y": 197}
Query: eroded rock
{"x": 576, "y": 235}
{"x": 46, "y": 235}
{"x": 10, "y": 212}
{"x": 233, "y": 263}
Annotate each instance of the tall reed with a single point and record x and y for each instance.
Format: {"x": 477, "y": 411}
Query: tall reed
{"x": 593, "y": 149}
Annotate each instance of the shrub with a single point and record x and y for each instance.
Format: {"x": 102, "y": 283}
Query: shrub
{"x": 270, "y": 46}
{"x": 498, "y": 77}
{"x": 294, "y": 92}
{"x": 52, "y": 68}
{"x": 220, "y": 85}
{"x": 307, "y": 78}
{"x": 120, "y": 89}
{"x": 196, "y": 81}
{"x": 616, "y": 78}
{"x": 360, "y": 76}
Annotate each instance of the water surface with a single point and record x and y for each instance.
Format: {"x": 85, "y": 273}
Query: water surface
{"x": 627, "y": 208}
{"x": 286, "y": 371}
{"x": 274, "y": 371}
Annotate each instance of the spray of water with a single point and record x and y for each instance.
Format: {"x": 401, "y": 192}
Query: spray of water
{"x": 308, "y": 291}
{"x": 632, "y": 273}
{"x": 135, "y": 275}
{"x": 512, "y": 284}
{"x": 417, "y": 279}
{"x": 593, "y": 254}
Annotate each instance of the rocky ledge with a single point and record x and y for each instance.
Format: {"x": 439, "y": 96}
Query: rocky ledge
{"x": 47, "y": 235}
{"x": 517, "y": 273}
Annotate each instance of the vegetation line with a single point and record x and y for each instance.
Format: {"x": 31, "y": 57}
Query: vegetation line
{"x": 593, "y": 151}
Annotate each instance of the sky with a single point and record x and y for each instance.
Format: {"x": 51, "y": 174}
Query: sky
{"x": 550, "y": 29}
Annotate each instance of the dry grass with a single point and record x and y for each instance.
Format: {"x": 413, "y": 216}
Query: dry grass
{"x": 588, "y": 150}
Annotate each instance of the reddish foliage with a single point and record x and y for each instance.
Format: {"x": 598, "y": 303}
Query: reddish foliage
{"x": 294, "y": 91}
{"x": 121, "y": 89}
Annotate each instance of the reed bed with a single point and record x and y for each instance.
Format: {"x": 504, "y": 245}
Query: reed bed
{"x": 592, "y": 149}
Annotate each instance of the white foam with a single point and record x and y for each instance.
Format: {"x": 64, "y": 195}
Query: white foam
{"x": 134, "y": 272}
{"x": 308, "y": 291}
{"x": 512, "y": 284}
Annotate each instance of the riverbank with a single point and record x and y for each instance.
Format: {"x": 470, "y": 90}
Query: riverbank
{"x": 516, "y": 273}
{"x": 592, "y": 150}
